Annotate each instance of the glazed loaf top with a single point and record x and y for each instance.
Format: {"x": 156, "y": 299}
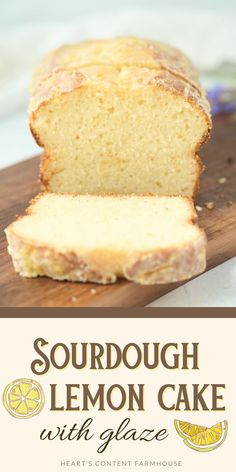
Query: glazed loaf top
{"x": 125, "y": 61}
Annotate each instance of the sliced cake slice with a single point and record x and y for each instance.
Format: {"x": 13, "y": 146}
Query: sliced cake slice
{"x": 146, "y": 239}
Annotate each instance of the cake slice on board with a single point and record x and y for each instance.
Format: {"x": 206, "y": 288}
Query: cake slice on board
{"x": 146, "y": 239}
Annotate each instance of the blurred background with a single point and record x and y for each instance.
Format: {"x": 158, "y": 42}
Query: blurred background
{"x": 204, "y": 29}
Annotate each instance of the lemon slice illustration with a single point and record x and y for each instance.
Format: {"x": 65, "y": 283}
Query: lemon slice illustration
{"x": 201, "y": 438}
{"x": 23, "y": 398}
{"x": 185, "y": 429}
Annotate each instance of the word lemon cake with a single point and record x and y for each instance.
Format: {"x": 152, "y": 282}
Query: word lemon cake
{"x": 121, "y": 116}
{"x": 146, "y": 239}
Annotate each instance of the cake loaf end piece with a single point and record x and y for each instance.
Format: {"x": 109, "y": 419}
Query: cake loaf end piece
{"x": 122, "y": 116}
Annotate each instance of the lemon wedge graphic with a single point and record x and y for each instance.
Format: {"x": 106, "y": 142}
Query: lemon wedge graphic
{"x": 201, "y": 438}
{"x": 23, "y": 398}
{"x": 185, "y": 429}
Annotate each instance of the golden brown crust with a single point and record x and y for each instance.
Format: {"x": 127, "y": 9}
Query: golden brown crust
{"x": 130, "y": 51}
{"x": 167, "y": 266}
{"x": 127, "y": 59}
{"x": 36, "y": 260}
{"x": 118, "y": 52}
{"x": 200, "y": 170}
{"x": 155, "y": 267}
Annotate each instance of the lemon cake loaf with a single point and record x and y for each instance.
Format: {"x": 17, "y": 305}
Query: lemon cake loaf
{"x": 122, "y": 116}
{"x": 146, "y": 239}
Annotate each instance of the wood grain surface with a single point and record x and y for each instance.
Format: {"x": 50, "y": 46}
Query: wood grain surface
{"x": 19, "y": 183}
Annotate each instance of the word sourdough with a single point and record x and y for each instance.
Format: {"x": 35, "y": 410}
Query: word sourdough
{"x": 109, "y": 356}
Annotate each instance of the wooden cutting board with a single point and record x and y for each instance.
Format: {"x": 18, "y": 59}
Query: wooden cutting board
{"x": 19, "y": 184}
